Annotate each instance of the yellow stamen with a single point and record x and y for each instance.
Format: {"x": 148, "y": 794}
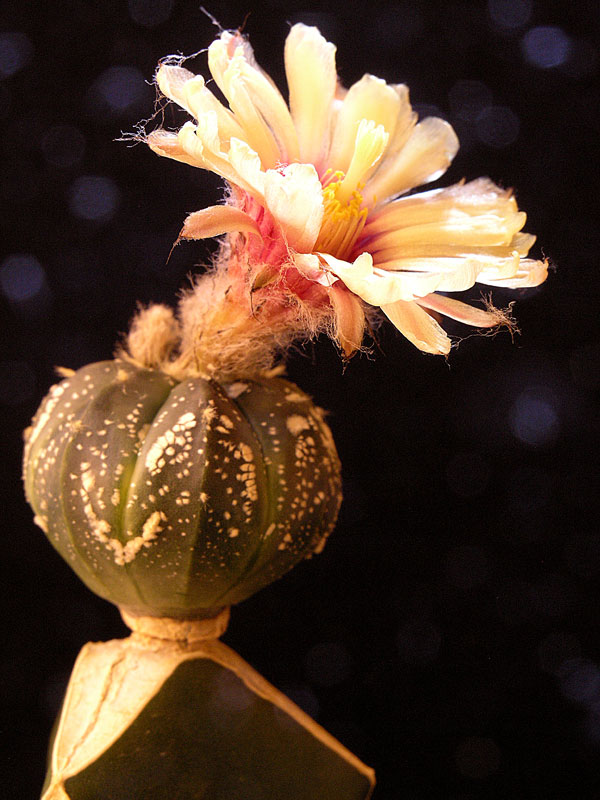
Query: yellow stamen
{"x": 343, "y": 218}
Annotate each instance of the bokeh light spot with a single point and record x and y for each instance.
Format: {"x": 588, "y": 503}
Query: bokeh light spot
{"x": 17, "y": 382}
{"x": 546, "y": 46}
{"x": 93, "y": 197}
{"x": 120, "y": 88}
{"x": 15, "y": 52}
{"x": 63, "y": 146}
{"x": 149, "y": 13}
{"x": 21, "y": 277}
{"x": 468, "y": 99}
{"x": 477, "y": 757}
{"x": 534, "y": 418}
{"x": 327, "y": 664}
{"x": 230, "y": 697}
{"x": 580, "y": 680}
{"x": 497, "y": 126}
{"x": 303, "y": 696}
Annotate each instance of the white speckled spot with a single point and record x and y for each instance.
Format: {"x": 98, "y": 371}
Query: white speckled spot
{"x": 155, "y": 458}
{"x": 296, "y": 424}
{"x": 236, "y": 389}
{"x": 295, "y": 397}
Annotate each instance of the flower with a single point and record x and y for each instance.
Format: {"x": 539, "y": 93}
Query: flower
{"x": 319, "y": 207}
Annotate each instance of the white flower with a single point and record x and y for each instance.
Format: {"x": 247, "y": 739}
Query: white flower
{"x": 319, "y": 197}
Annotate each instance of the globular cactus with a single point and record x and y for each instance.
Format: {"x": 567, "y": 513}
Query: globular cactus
{"x": 176, "y": 499}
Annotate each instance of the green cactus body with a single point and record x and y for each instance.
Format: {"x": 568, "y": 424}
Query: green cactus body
{"x": 176, "y": 499}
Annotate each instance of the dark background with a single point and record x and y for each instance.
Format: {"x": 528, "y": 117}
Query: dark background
{"x": 449, "y": 632}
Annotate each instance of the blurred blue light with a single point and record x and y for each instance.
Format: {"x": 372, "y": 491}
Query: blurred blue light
{"x": 21, "y": 277}
{"x": 121, "y": 87}
{"x": 546, "y": 46}
{"x": 231, "y": 696}
{"x": 534, "y": 418}
{"x": 468, "y": 99}
{"x": 93, "y": 197}
{"x": 303, "y": 696}
{"x": 580, "y": 680}
{"x": 497, "y": 126}
{"x": 150, "y": 12}
{"x": 15, "y": 52}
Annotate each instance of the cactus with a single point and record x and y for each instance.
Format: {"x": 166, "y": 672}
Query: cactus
{"x": 175, "y": 499}
{"x": 182, "y": 477}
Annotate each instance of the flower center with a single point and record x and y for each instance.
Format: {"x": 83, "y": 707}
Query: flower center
{"x": 343, "y": 217}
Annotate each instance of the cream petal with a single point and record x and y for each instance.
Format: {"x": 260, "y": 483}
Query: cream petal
{"x": 426, "y": 155}
{"x": 201, "y": 100}
{"x": 216, "y": 220}
{"x": 256, "y": 131}
{"x": 167, "y": 144}
{"x": 457, "y": 229}
{"x": 479, "y": 197}
{"x": 267, "y": 99}
{"x": 349, "y": 319}
{"x": 461, "y": 312}
{"x": 309, "y": 266}
{"x": 171, "y": 81}
{"x": 418, "y": 327}
{"x": 294, "y": 197}
{"x": 377, "y": 287}
{"x": 530, "y": 273}
{"x": 202, "y": 144}
{"x": 370, "y": 98}
{"x": 429, "y": 251}
{"x": 247, "y": 165}
{"x": 370, "y": 143}
{"x": 222, "y": 51}
{"x": 487, "y": 266}
{"x": 360, "y": 269}
{"x": 462, "y": 278}
{"x": 522, "y": 243}
{"x": 406, "y": 121}
{"x": 312, "y": 79}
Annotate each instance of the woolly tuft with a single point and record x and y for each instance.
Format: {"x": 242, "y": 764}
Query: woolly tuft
{"x": 153, "y": 337}
{"x": 225, "y": 332}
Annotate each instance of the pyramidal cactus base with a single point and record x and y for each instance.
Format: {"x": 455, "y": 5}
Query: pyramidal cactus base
{"x": 187, "y": 718}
